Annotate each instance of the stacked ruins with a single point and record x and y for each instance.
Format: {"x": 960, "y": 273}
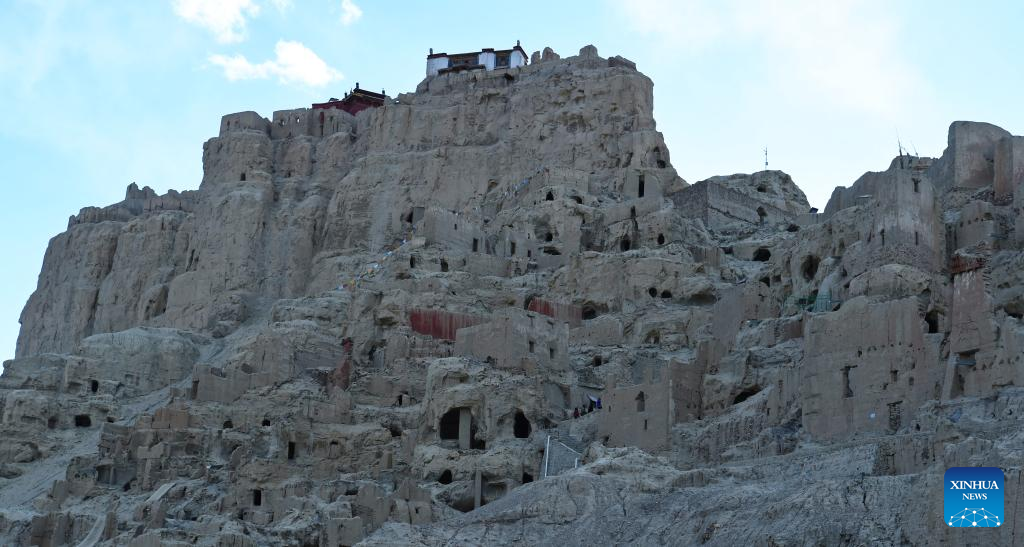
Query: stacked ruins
{"x": 374, "y": 319}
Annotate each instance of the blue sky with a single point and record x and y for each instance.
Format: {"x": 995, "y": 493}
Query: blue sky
{"x": 99, "y": 94}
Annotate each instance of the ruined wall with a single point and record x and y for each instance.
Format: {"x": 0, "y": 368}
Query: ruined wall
{"x": 639, "y": 415}
{"x": 865, "y": 383}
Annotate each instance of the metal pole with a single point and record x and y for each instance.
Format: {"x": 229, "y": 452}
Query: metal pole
{"x": 547, "y": 454}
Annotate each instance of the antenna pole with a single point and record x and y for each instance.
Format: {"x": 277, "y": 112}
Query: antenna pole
{"x": 899, "y": 145}
{"x": 766, "y": 158}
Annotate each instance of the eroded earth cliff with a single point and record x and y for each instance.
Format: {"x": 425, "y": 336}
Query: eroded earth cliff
{"x": 376, "y": 328}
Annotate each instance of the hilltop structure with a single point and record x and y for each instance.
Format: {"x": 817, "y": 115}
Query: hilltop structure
{"x": 485, "y": 59}
{"x": 391, "y": 320}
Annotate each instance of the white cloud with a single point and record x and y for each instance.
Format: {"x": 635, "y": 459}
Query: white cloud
{"x": 844, "y": 51}
{"x": 282, "y": 5}
{"x": 350, "y": 12}
{"x": 226, "y": 19}
{"x": 294, "y": 63}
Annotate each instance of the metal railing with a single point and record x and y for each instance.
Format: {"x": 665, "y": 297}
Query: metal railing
{"x": 559, "y": 458}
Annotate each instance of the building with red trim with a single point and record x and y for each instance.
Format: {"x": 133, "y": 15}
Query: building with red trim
{"x": 354, "y": 102}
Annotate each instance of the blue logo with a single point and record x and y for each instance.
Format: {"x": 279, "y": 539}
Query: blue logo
{"x": 974, "y": 497}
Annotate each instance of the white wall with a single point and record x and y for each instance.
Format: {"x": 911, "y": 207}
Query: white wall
{"x": 487, "y": 59}
{"x": 516, "y": 59}
{"x": 436, "y": 64}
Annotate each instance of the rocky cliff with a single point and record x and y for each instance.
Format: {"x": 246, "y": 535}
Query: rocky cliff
{"x": 491, "y": 312}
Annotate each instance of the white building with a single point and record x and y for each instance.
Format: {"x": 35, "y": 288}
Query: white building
{"x": 486, "y": 59}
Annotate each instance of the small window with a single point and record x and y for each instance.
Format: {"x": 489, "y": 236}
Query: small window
{"x": 512, "y": 248}
{"x": 917, "y": 186}
{"x": 661, "y": 239}
{"x": 641, "y": 402}
{"x": 640, "y": 187}
{"x": 242, "y": 178}
{"x": 257, "y": 498}
{"x": 549, "y": 197}
{"x": 83, "y": 420}
{"x": 532, "y": 346}
{"x": 291, "y": 450}
{"x": 476, "y": 244}
{"x": 551, "y": 352}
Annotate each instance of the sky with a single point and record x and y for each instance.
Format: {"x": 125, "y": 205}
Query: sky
{"x": 96, "y": 95}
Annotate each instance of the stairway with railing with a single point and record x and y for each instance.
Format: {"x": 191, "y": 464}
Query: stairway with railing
{"x": 559, "y": 457}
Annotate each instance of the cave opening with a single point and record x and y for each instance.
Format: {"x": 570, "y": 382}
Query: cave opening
{"x": 446, "y": 477}
{"x": 521, "y": 427}
{"x": 809, "y": 268}
{"x": 449, "y": 428}
{"x": 746, "y": 394}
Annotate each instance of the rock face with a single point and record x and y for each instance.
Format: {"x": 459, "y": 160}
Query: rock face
{"x": 491, "y": 312}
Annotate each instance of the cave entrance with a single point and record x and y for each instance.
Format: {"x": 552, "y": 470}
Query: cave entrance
{"x": 521, "y": 427}
{"x": 932, "y": 318}
{"x": 809, "y": 268}
{"x": 746, "y": 394}
{"x": 83, "y": 420}
{"x": 449, "y": 428}
{"x": 457, "y": 423}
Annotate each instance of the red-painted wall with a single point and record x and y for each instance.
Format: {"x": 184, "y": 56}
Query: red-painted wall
{"x": 568, "y": 313}
{"x": 441, "y": 324}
